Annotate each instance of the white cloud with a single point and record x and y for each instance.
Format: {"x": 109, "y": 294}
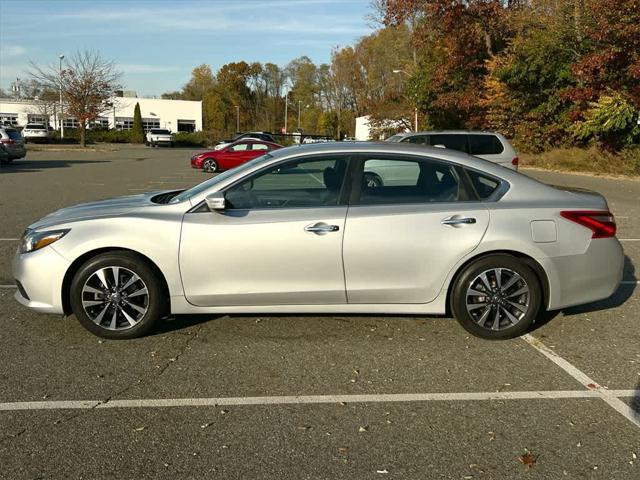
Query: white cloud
{"x": 12, "y": 50}
{"x": 144, "y": 68}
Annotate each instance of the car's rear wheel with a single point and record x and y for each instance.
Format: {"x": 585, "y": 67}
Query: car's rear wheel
{"x": 210, "y": 166}
{"x": 496, "y": 297}
{"x": 117, "y": 296}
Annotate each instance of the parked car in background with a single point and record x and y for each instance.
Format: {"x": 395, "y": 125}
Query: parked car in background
{"x": 159, "y": 136}
{"x": 12, "y": 143}
{"x": 36, "y": 132}
{"x": 264, "y": 136}
{"x": 488, "y": 145}
{"x": 298, "y": 231}
{"x": 232, "y": 155}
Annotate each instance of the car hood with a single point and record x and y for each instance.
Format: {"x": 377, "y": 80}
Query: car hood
{"x": 104, "y": 208}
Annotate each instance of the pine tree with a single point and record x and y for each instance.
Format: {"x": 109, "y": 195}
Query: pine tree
{"x": 137, "y": 132}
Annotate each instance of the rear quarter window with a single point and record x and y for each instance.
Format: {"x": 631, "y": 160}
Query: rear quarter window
{"x": 14, "y": 134}
{"x": 484, "y": 185}
{"x": 485, "y": 145}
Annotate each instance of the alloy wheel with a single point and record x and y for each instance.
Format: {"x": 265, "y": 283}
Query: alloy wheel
{"x": 498, "y": 299}
{"x": 115, "y": 298}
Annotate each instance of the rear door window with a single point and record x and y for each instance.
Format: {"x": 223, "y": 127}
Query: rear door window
{"x": 14, "y": 134}
{"x": 452, "y": 141}
{"x": 417, "y": 139}
{"x": 485, "y": 145}
{"x": 392, "y": 181}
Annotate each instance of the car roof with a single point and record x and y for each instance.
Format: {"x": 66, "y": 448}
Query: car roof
{"x": 447, "y": 132}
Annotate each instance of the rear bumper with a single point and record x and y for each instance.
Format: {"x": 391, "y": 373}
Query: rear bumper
{"x": 584, "y": 278}
{"x": 40, "y": 274}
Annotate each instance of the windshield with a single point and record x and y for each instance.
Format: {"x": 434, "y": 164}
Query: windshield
{"x": 395, "y": 138}
{"x": 201, "y": 187}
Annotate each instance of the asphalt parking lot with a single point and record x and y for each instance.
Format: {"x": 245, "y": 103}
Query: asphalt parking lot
{"x": 301, "y": 397}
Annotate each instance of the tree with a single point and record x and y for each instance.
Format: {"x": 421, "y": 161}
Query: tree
{"x": 137, "y": 131}
{"x": 88, "y": 81}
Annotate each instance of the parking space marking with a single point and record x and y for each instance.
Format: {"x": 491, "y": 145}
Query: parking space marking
{"x": 629, "y": 239}
{"x": 308, "y": 400}
{"x": 9, "y": 239}
{"x": 8, "y": 286}
{"x": 609, "y": 397}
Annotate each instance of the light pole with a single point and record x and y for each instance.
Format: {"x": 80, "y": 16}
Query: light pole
{"x": 299, "y": 105}
{"x": 415, "y": 108}
{"x": 286, "y": 110}
{"x": 61, "y": 57}
{"x": 237, "y": 118}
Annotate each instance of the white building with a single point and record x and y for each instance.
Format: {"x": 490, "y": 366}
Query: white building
{"x": 364, "y": 130}
{"x": 175, "y": 115}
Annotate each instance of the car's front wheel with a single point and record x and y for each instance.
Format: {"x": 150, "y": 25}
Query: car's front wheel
{"x": 210, "y": 166}
{"x": 117, "y": 295}
{"x": 496, "y": 297}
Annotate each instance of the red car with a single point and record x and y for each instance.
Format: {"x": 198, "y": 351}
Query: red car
{"x": 232, "y": 155}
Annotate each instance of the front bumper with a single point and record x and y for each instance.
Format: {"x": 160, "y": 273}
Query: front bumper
{"x": 40, "y": 274}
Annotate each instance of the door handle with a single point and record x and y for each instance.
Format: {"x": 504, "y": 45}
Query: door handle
{"x": 321, "y": 228}
{"x": 455, "y": 220}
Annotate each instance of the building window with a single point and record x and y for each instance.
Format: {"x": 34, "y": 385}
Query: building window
{"x": 186, "y": 126}
{"x": 124, "y": 123}
{"x": 9, "y": 119}
{"x": 70, "y": 122}
{"x": 43, "y": 119}
{"x": 99, "y": 122}
{"x": 149, "y": 123}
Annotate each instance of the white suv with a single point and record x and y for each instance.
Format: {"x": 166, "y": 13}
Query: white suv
{"x": 36, "y": 132}
{"x": 487, "y": 145}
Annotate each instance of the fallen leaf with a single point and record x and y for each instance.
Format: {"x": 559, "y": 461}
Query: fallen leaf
{"x": 305, "y": 427}
{"x": 205, "y": 425}
{"x": 363, "y": 429}
{"x": 382, "y": 471}
{"x": 139, "y": 429}
{"x": 528, "y": 460}
{"x": 343, "y": 449}
{"x": 224, "y": 412}
{"x": 592, "y": 386}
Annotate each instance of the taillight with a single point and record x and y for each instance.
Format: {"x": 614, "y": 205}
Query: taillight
{"x": 6, "y": 141}
{"x": 600, "y": 222}
{"x": 515, "y": 161}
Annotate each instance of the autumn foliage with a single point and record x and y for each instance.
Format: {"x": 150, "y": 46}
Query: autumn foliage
{"x": 548, "y": 73}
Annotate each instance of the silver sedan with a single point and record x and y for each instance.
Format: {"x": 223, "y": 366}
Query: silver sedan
{"x": 328, "y": 228}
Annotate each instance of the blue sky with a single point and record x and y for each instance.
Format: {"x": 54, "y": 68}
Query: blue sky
{"x": 156, "y": 43}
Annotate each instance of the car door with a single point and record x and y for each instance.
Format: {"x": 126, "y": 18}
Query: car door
{"x": 278, "y": 241}
{"x": 405, "y": 233}
{"x": 235, "y": 155}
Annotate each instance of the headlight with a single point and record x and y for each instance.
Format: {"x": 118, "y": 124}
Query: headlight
{"x": 32, "y": 240}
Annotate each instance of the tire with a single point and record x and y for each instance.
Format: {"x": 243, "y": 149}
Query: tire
{"x": 210, "y": 166}
{"x": 97, "y": 316}
{"x": 518, "y": 304}
{"x": 373, "y": 180}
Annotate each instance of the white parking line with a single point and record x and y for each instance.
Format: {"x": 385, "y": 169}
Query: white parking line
{"x": 308, "y": 400}
{"x": 9, "y": 239}
{"x": 607, "y": 396}
{"x": 629, "y": 239}
{"x": 8, "y": 286}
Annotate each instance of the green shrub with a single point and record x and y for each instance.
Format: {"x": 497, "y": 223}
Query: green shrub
{"x": 195, "y": 139}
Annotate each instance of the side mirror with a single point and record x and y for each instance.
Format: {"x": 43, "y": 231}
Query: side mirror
{"x": 216, "y": 201}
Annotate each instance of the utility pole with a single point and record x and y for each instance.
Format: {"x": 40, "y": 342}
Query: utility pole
{"x": 299, "y": 105}
{"x": 61, "y": 57}
{"x": 237, "y": 118}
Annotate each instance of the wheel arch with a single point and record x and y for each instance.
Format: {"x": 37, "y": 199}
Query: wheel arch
{"x": 530, "y": 261}
{"x": 78, "y": 262}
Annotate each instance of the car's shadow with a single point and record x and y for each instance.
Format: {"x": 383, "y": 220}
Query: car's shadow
{"x": 28, "y": 166}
